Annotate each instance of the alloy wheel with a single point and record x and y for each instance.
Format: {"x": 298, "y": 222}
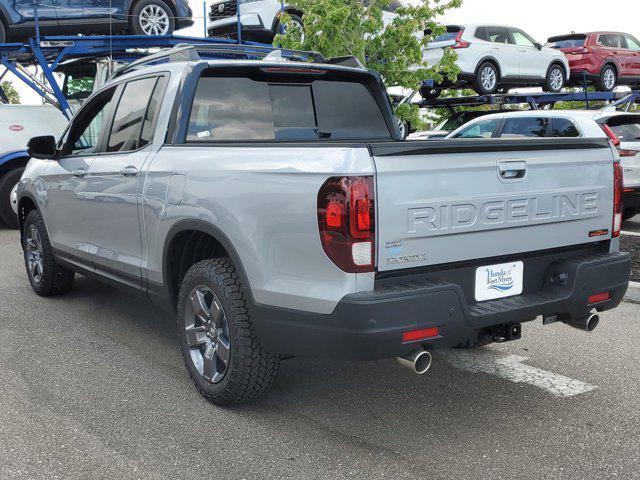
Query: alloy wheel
{"x": 207, "y": 334}
{"x": 488, "y": 78}
{"x": 556, "y": 79}
{"x": 154, "y": 20}
{"x": 609, "y": 79}
{"x": 35, "y": 254}
{"x": 13, "y": 199}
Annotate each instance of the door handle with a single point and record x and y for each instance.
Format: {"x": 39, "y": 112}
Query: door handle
{"x": 512, "y": 170}
{"x": 129, "y": 171}
{"x": 79, "y": 173}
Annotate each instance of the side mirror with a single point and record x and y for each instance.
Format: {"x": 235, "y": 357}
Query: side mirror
{"x": 538, "y": 45}
{"x": 43, "y": 148}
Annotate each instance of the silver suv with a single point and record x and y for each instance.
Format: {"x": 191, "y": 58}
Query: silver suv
{"x": 272, "y": 206}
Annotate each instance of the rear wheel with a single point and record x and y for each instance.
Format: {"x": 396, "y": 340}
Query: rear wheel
{"x": 47, "y": 278}
{"x": 8, "y": 184}
{"x": 608, "y": 79}
{"x": 555, "y": 79}
{"x": 217, "y": 339}
{"x": 3, "y": 33}
{"x": 629, "y": 213}
{"x": 487, "y": 79}
{"x": 152, "y": 17}
{"x": 429, "y": 93}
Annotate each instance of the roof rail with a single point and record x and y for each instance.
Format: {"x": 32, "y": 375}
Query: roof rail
{"x": 179, "y": 53}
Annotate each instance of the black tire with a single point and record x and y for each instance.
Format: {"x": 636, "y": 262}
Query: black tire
{"x": 480, "y": 85}
{"x": 602, "y": 84}
{"x": 54, "y": 279}
{"x": 556, "y": 79}
{"x": 249, "y": 370}
{"x": 629, "y": 213}
{"x": 7, "y": 182}
{"x": 136, "y": 20}
{"x": 3, "y": 32}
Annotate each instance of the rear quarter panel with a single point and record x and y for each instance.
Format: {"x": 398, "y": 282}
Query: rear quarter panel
{"x": 264, "y": 199}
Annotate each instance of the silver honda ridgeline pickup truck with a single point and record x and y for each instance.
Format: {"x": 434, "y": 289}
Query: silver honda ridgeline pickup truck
{"x": 273, "y": 207}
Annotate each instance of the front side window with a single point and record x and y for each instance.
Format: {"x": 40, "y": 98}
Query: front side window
{"x": 242, "y": 108}
{"x": 83, "y": 137}
{"x": 632, "y": 43}
{"x": 522, "y": 39}
{"x": 525, "y": 128}
{"x": 130, "y": 115}
{"x": 483, "y": 129}
{"x": 563, "y": 127}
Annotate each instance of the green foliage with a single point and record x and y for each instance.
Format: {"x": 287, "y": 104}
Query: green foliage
{"x": 338, "y": 28}
{"x": 10, "y": 91}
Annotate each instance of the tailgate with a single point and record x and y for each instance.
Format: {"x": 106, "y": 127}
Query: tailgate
{"x": 450, "y": 201}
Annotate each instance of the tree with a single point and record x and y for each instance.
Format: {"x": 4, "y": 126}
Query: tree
{"x": 338, "y": 28}
{"x": 10, "y": 91}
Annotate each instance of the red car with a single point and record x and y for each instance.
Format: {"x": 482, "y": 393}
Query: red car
{"x": 605, "y": 59}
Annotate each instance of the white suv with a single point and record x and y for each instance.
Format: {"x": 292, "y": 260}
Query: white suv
{"x": 260, "y": 19}
{"x": 493, "y": 57}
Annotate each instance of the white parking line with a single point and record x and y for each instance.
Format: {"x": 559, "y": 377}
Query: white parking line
{"x": 511, "y": 368}
{"x": 633, "y": 234}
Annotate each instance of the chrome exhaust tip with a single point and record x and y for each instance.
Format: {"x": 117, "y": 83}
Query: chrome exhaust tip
{"x": 418, "y": 360}
{"x": 586, "y": 324}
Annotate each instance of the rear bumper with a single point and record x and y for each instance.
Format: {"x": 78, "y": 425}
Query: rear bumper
{"x": 369, "y": 326}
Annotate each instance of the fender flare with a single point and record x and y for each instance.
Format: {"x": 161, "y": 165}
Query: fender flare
{"x": 214, "y": 232}
{"x": 492, "y": 59}
{"x": 612, "y": 61}
{"x": 6, "y": 158}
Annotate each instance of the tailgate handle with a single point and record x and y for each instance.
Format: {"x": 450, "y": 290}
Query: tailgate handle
{"x": 512, "y": 169}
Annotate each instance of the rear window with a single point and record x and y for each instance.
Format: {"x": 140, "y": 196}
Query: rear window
{"x": 626, "y": 129}
{"x": 242, "y": 109}
{"x": 525, "y": 127}
{"x": 573, "y": 41}
{"x": 449, "y": 35}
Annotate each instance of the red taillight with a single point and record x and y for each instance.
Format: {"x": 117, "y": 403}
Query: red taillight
{"x": 598, "y": 298}
{"x": 612, "y": 136}
{"x": 628, "y": 153}
{"x": 618, "y": 187}
{"x": 424, "y": 334}
{"x": 346, "y": 219}
{"x": 459, "y": 42}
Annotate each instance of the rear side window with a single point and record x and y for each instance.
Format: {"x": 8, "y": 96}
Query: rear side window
{"x": 130, "y": 116}
{"x": 528, "y": 127}
{"x": 611, "y": 40}
{"x": 563, "y": 127}
{"x": 497, "y": 35}
{"x": 244, "y": 109}
{"x": 482, "y": 129}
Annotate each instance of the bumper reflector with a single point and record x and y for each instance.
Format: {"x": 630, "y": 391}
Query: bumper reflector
{"x": 598, "y": 298}
{"x": 424, "y": 334}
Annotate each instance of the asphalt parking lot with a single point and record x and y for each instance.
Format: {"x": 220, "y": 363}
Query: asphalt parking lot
{"x": 93, "y": 386}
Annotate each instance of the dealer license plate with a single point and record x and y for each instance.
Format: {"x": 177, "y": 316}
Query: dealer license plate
{"x": 499, "y": 281}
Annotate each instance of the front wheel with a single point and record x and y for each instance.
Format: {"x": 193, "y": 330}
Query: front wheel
{"x": 487, "y": 79}
{"x": 217, "y": 338}
{"x": 47, "y": 278}
{"x": 555, "y": 80}
{"x": 152, "y": 17}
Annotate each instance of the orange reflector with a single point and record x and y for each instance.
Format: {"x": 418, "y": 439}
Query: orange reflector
{"x": 413, "y": 335}
{"x": 599, "y": 297}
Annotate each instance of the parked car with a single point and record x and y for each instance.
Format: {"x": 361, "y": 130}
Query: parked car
{"x": 260, "y": 19}
{"x": 66, "y": 17}
{"x": 621, "y": 127}
{"x": 605, "y": 59}
{"x": 493, "y": 57}
{"x": 273, "y": 207}
{"x": 532, "y": 124}
{"x": 448, "y": 125}
{"x": 624, "y": 129}
{"x": 18, "y": 123}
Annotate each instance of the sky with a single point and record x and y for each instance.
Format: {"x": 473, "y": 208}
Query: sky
{"x": 540, "y": 18}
